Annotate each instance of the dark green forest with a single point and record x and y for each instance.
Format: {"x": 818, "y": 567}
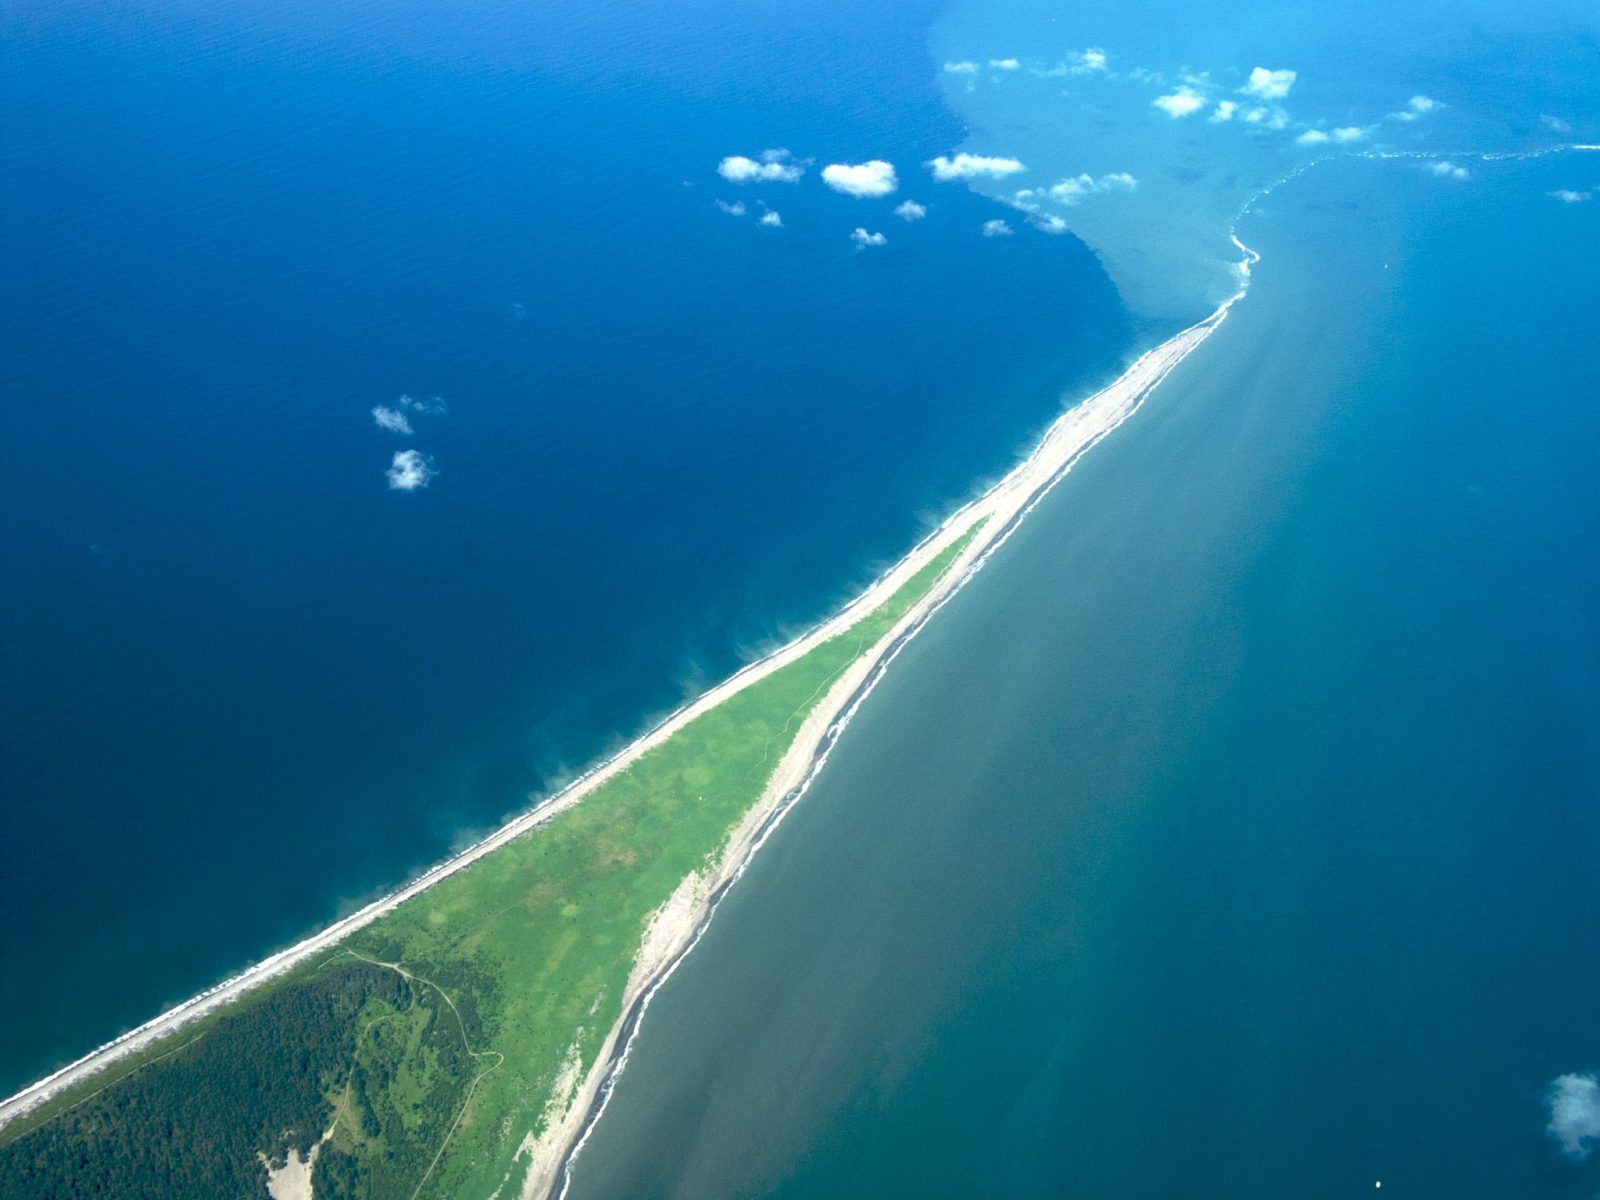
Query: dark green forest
{"x": 370, "y": 1055}
{"x": 197, "y": 1123}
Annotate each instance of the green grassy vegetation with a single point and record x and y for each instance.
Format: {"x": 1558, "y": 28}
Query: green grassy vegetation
{"x": 433, "y": 1040}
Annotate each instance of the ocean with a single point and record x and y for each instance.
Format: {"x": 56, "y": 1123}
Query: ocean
{"x": 1234, "y": 834}
{"x": 249, "y": 683}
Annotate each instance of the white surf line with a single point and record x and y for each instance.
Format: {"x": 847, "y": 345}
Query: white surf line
{"x": 614, "y": 1055}
{"x": 1145, "y": 375}
{"x": 218, "y": 996}
{"x": 1058, "y": 446}
{"x": 233, "y": 988}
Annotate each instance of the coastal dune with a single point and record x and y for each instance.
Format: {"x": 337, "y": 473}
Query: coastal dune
{"x": 989, "y": 519}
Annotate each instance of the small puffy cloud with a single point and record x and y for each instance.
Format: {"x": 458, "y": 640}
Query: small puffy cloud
{"x": 1004, "y": 64}
{"x": 862, "y": 238}
{"x": 433, "y": 406}
{"x": 1445, "y": 169}
{"x": 1184, "y": 102}
{"x": 736, "y": 209}
{"x": 1342, "y": 136}
{"x": 997, "y": 228}
{"x": 1554, "y": 124}
{"x": 961, "y": 68}
{"x": 391, "y": 419}
{"x": 409, "y": 470}
{"x": 1047, "y": 223}
{"x": 1269, "y": 85}
{"x": 1568, "y": 196}
{"x": 1575, "y": 1114}
{"x": 1073, "y": 191}
{"x": 867, "y": 180}
{"x": 1092, "y": 59}
{"x": 972, "y": 166}
{"x": 910, "y": 210}
{"x": 1266, "y": 116}
{"x": 771, "y": 220}
{"x": 1417, "y": 106}
{"x": 774, "y": 166}
{"x": 1224, "y": 110}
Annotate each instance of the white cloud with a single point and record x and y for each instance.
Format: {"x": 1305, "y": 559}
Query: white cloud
{"x": 1048, "y": 223}
{"x": 1554, "y": 124}
{"x": 1446, "y": 169}
{"x": 1271, "y": 117}
{"x": 867, "y": 180}
{"x": 961, "y": 68}
{"x": 1417, "y": 106}
{"x": 1004, "y": 64}
{"x": 1092, "y": 59}
{"x": 1072, "y": 191}
{"x": 997, "y": 228}
{"x": 771, "y": 220}
{"x": 862, "y": 238}
{"x": 910, "y": 210}
{"x": 971, "y": 166}
{"x": 1344, "y": 135}
{"x": 775, "y": 166}
{"x": 1565, "y": 195}
{"x": 736, "y": 209}
{"x": 409, "y": 470}
{"x": 1184, "y": 102}
{"x": 433, "y": 406}
{"x": 1269, "y": 85}
{"x": 1575, "y": 1114}
{"x": 1224, "y": 110}
{"x": 391, "y": 419}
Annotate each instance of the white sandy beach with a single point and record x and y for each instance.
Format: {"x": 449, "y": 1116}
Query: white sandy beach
{"x": 677, "y": 926}
{"x": 675, "y": 929}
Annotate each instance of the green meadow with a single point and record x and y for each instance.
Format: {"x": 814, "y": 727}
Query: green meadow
{"x": 430, "y": 1042}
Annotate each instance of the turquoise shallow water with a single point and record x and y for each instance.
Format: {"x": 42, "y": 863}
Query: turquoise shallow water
{"x": 1234, "y": 834}
{"x": 1253, "y": 92}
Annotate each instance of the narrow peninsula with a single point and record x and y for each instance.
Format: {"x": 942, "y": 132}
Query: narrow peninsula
{"x": 457, "y": 1038}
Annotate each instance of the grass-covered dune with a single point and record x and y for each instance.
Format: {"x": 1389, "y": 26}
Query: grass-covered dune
{"x": 425, "y": 1054}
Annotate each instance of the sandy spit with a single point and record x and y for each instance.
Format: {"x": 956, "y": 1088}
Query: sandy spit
{"x": 677, "y": 926}
{"x": 674, "y": 932}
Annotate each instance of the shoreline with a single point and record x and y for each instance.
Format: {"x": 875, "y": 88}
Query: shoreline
{"x": 1004, "y": 505}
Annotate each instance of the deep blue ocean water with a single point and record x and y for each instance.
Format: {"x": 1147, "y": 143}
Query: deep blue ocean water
{"x": 1234, "y": 835}
{"x": 246, "y": 683}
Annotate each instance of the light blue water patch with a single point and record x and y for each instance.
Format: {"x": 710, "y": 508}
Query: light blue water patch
{"x": 1233, "y": 836}
{"x": 1145, "y": 128}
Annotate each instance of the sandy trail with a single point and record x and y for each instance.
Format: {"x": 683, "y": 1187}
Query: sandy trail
{"x": 1004, "y": 504}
